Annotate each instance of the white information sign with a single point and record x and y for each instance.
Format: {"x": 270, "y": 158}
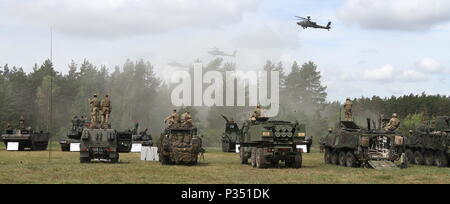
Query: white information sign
{"x": 303, "y": 147}
{"x": 237, "y": 148}
{"x": 74, "y": 147}
{"x": 136, "y": 148}
{"x": 149, "y": 154}
{"x": 13, "y": 146}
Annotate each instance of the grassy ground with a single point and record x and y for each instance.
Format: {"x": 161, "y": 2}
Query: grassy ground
{"x": 218, "y": 168}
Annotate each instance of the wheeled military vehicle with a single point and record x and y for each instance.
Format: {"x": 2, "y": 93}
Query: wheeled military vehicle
{"x": 27, "y": 139}
{"x": 142, "y": 137}
{"x": 179, "y": 145}
{"x": 430, "y": 144}
{"x": 99, "y": 144}
{"x": 74, "y": 134}
{"x": 268, "y": 142}
{"x": 230, "y": 138}
{"x": 352, "y": 146}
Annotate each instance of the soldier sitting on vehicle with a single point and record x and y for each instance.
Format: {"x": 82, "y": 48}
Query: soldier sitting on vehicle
{"x": 9, "y": 129}
{"x": 257, "y": 113}
{"x": 393, "y": 124}
{"x": 21, "y": 123}
{"x": 186, "y": 119}
{"x": 172, "y": 119}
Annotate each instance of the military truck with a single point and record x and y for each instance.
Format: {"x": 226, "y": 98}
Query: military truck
{"x": 267, "y": 143}
{"x": 179, "y": 145}
{"x": 142, "y": 137}
{"x": 28, "y": 139}
{"x": 99, "y": 144}
{"x": 74, "y": 134}
{"x": 429, "y": 144}
{"x": 352, "y": 146}
{"x": 230, "y": 138}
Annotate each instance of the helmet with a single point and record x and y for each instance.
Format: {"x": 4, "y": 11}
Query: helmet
{"x": 394, "y": 115}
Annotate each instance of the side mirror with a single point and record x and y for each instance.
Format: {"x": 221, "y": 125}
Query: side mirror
{"x": 330, "y": 130}
{"x": 410, "y": 132}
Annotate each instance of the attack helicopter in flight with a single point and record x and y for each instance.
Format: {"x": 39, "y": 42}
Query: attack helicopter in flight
{"x": 217, "y": 52}
{"x": 308, "y": 23}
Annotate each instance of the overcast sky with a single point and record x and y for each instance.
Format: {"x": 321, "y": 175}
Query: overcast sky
{"x": 376, "y": 47}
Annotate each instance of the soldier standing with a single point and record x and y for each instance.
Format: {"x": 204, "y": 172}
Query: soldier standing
{"x": 21, "y": 123}
{"x": 95, "y": 109}
{"x": 393, "y": 124}
{"x": 106, "y": 110}
{"x": 348, "y": 110}
{"x": 187, "y": 119}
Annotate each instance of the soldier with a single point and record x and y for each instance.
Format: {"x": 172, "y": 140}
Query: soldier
{"x": 95, "y": 109}
{"x": 106, "y": 110}
{"x": 21, "y": 123}
{"x": 9, "y": 128}
{"x": 348, "y": 110}
{"x": 257, "y": 113}
{"x": 393, "y": 124}
{"x": 187, "y": 119}
{"x": 75, "y": 122}
{"x": 172, "y": 118}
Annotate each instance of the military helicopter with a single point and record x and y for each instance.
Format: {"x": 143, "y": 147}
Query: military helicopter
{"x": 217, "y": 52}
{"x": 307, "y": 23}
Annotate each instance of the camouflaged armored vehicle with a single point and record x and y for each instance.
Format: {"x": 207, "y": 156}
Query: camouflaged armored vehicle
{"x": 352, "y": 146}
{"x": 230, "y": 138}
{"x": 267, "y": 143}
{"x": 74, "y": 134}
{"x": 99, "y": 144}
{"x": 179, "y": 145}
{"x": 27, "y": 139}
{"x": 125, "y": 141}
{"x": 430, "y": 144}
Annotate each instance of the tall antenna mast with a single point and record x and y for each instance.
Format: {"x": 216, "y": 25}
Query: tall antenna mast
{"x": 51, "y": 97}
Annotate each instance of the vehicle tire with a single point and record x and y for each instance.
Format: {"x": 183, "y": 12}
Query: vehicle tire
{"x": 335, "y": 157}
{"x": 242, "y": 157}
{"x": 342, "y": 158}
{"x": 225, "y": 147}
{"x": 429, "y": 158}
{"x": 260, "y": 159}
{"x": 327, "y": 156}
{"x": 253, "y": 157}
{"x": 164, "y": 160}
{"x": 298, "y": 160}
{"x": 350, "y": 160}
{"x": 85, "y": 160}
{"x": 418, "y": 158}
{"x": 441, "y": 159}
{"x": 410, "y": 156}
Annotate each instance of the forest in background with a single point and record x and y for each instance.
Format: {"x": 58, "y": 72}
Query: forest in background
{"x": 138, "y": 95}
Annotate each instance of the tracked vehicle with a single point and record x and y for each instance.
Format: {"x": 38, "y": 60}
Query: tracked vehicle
{"x": 430, "y": 144}
{"x": 28, "y": 139}
{"x": 267, "y": 143}
{"x": 179, "y": 145}
{"x": 230, "y": 138}
{"x": 74, "y": 134}
{"x": 352, "y": 146}
{"x": 142, "y": 137}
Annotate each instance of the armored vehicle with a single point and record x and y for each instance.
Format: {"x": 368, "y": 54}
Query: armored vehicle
{"x": 27, "y": 139}
{"x": 430, "y": 144}
{"x": 352, "y": 146}
{"x": 142, "y": 137}
{"x": 100, "y": 144}
{"x": 179, "y": 145}
{"x": 74, "y": 134}
{"x": 268, "y": 142}
{"x": 125, "y": 141}
{"x": 230, "y": 138}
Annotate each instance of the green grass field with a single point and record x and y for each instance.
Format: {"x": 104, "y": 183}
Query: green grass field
{"x": 217, "y": 168}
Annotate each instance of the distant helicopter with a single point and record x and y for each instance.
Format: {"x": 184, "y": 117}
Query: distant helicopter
{"x": 307, "y": 23}
{"x": 173, "y": 63}
{"x": 217, "y": 52}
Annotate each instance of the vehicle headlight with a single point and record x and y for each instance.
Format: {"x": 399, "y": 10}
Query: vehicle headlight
{"x": 266, "y": 134}
{"x": 301, "y": 134}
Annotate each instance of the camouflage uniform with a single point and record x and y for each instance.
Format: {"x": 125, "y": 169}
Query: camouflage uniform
{"x": 257, "y": 113}
{"x": 22, "y": 123}
{"x": 95, "y": 110}
{"x": 172, "y": 118}
{"x": 393, "y": 124}
{"x": 187, "y": 119}
{"x": 106, "y": 110}
{"x": 348, "y": 110}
